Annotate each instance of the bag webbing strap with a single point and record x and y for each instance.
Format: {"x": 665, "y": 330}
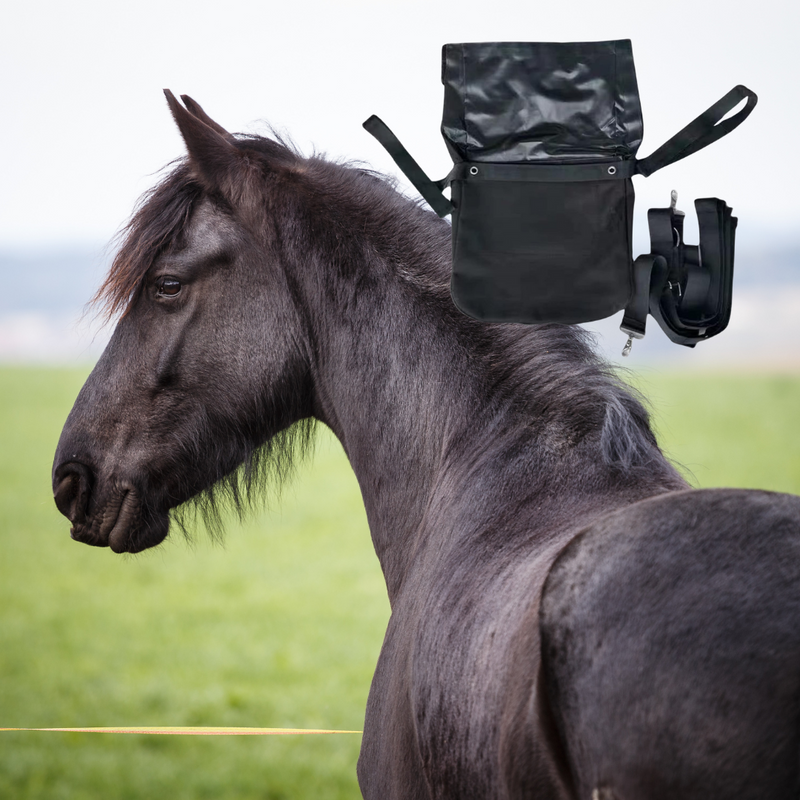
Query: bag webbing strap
{"x": 546, "y": 172}
{"x": 430, "y": 190}
{"x": 702, "y": 131}
{"x": 634, "y": 321}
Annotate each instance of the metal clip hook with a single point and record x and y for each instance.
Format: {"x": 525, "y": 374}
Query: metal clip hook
{"x": 673, "y": 204}
{"x": 626, "y": 351}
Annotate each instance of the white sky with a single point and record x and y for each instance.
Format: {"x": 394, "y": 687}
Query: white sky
{"x": 85, "y": 125}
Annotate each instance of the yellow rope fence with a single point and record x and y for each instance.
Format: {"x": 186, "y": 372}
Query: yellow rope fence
{"x": 188, "y": 731}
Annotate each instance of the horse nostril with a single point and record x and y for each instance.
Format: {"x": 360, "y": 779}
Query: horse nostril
{"x": 72, "y": 484}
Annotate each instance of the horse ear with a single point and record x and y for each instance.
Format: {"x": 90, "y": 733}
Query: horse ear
{"x": 197, "y": 110}
{"x": 211, "y": 148}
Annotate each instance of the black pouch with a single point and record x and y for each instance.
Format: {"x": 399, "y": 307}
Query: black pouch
{"x": 544, "y": 139}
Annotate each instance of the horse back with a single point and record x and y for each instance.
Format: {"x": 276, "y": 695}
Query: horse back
{"x": 671, "y": 648}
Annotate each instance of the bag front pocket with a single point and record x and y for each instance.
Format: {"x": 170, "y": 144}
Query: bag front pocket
{"x": 535, "y": 251}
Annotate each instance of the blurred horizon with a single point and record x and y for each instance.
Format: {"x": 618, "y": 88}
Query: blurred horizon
{"x": 45, "y": 317}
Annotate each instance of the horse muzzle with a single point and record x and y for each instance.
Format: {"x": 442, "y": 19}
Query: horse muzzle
{"x": 111, "y": 518}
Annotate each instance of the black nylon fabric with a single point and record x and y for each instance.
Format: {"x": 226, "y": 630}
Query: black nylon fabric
{"x": 541, "y": 252}
{"x": 534, "y": 249}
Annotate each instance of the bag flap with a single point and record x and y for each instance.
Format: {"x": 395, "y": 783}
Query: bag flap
{"x": 528, "y": 101}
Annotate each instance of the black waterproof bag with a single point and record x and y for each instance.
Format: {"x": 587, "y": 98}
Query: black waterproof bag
{"x": 544, "y": 138}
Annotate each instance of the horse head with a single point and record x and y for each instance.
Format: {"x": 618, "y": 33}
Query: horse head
{"x": 194, "y": 379}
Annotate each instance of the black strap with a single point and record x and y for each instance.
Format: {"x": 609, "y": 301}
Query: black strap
{"x": 702, "y": 131}
{"x": 687, "y": 287}
{"x": 429, "y": 189}
{"x": 645, "y": 268}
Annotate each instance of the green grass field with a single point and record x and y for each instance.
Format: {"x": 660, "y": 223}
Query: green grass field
{"x": 280, "y": 627}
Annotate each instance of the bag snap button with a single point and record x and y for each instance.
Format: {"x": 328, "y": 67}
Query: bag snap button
{"x": 473, "y": 170}
{"x": 612, "y": 170}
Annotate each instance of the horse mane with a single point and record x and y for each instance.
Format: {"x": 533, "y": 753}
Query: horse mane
{"x": 549, "y": 372}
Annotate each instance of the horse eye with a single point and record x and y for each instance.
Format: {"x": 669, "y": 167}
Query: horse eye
{"x": 168, "y": 287}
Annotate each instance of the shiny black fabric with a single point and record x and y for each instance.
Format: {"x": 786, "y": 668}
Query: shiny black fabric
{"x": 531, "y": 248}
{"x": 533, "y": 101}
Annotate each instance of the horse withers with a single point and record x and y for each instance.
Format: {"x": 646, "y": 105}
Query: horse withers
{"x": 569, "y": 619}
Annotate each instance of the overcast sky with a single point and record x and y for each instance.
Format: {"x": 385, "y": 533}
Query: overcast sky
{"x": 86, "y": 126}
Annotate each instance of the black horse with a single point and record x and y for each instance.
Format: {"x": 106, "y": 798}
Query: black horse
{"x": 569, "y": 619}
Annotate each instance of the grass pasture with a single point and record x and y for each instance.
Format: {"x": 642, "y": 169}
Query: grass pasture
{"x": 279, "y": 627}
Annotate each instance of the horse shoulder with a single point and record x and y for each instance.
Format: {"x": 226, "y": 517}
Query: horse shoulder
{"x": 671, "y": 649}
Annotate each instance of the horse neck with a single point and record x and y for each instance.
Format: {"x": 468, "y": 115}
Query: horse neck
{"x": 389, "y": 377}
{"x": 404, "y": 380}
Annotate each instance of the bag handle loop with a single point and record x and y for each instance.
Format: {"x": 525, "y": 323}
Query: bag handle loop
{"x": 430, "y": 190}
{"x": 701, "y": 132}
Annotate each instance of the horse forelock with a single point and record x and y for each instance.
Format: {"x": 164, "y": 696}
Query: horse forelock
{"x": 163, "y": 213}
{"x": 158, "y": 221}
